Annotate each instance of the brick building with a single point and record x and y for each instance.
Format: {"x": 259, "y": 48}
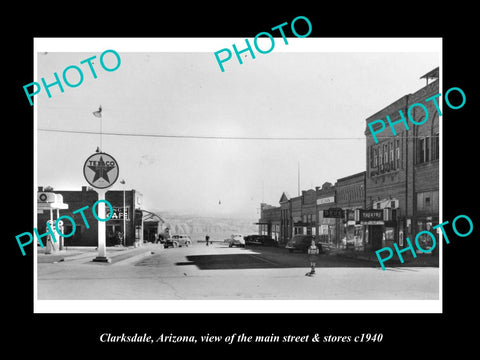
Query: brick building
{"x": 270, "y": 220}
{"x": 286, "y": 228}
{"x": 309, "y": 212}
{"x": 402, "y": 177}
{"x": 395, "y": 198}
{"x": 350, "y": 197}
{"x": 296, "y": 215}
{"x": 326, "y": 225}
{"x": 84, "y": 236}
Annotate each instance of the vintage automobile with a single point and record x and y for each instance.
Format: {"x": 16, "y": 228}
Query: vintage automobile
{"x": 177, "y": 240}
{"x": 235, "y": 240}
{"x": 302, "y": 243}
{"x": 260, "y": 240}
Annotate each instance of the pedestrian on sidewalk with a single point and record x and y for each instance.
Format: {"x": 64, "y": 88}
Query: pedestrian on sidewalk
{"x": 312, "y": 257}
{"x": 207, "y": 238}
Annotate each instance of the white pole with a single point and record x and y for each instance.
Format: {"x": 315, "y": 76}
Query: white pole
{"x": 102, "y": 249}
{"x": 124, "y": 223}
{"x": 60, "y": 238}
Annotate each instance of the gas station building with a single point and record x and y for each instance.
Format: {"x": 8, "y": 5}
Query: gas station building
{"x": 83, "y": 236}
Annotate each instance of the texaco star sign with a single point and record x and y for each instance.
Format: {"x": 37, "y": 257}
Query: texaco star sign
{"x": 100, "y": 170}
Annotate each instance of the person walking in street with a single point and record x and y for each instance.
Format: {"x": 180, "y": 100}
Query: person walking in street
{"x": 207, "y": 239}
{"x": 312, "y": 257}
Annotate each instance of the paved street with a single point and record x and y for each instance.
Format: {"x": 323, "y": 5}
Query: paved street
{"x": 218, "y": 272}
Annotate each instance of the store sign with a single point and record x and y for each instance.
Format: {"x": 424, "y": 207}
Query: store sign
{"x": 119, "y": 213}
{"x": 326, "y": 200}
{"x": 371, "y": 217}
{"x": 333, "y": 213}
{"x": 372, "y": 222}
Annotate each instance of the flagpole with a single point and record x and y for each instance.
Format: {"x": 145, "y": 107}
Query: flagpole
{"x": 101, "y": 129}
{"x": 98, "y": 114}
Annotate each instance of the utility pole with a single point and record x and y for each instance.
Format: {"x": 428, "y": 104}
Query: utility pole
{"x": 298, "y": 179}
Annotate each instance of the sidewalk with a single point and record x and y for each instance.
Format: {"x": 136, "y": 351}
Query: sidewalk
{"x": 83, "y": 254}
{"x": 422, "y": 260}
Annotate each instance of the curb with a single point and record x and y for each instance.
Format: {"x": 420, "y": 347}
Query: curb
{"x": 124, "y": 256}
{"x": 131, "y": 259}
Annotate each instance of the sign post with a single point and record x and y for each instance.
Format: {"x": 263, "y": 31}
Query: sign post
{"x": 101, "y": 171}
{"x": 102, "y": 246}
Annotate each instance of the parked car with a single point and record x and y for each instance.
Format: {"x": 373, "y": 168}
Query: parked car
{"x": 260, "y": 240}
{"x": 302, "y": 243}
{"x": 177, "y": 240}
{"x": 236, "y": 240}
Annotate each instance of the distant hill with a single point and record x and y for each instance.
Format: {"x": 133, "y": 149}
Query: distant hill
{"x": 218, "y": 228}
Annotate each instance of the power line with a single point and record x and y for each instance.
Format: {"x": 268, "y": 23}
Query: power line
{"x": 199, "y": 136}
{"x": 209, "y": 137}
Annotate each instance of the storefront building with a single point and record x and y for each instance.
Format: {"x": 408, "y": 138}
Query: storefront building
{"x": 285, "y": 219}
{"x": 116, "y": 227}
{"x": 328, "y": 215}
{"x": 296, "y": 215}
{"x": 350, "y": 196}
{"x": 402, "y": 177}
{"x": 309, "y": 217}
{"x": 270, "y": 221}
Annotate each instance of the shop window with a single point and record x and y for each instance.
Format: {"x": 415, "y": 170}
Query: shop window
{"x": 389, "y": 234}
{"x": 425, "y": 241}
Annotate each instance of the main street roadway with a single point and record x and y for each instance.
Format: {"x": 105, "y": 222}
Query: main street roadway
{"x": 217, "y": 272}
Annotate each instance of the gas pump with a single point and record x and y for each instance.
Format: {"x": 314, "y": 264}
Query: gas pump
{"x": 52, "y": 243}
{"x": 60, "y": 238}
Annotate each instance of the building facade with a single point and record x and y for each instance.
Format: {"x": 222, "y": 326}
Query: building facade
{"x": 88, "y": 236}
{"x": 286, "y": 228}
{"x": 350, "y": 196}
{"x": 395, "y": 198}
{"x": 270, "y": 221}
{"x": 402, "y": 176}
{"x": 309, "y": 212}
{"x": 327, "y": 219}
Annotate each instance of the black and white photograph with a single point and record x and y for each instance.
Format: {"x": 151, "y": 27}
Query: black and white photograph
{"x": 286, "y": 176}
{"x": 218, "y": 182}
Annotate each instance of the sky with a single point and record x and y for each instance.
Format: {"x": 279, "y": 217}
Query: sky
{"x": 326, "y": 95}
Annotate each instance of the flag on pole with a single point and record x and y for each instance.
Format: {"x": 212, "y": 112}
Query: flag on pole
{"x": 98, "y": 113}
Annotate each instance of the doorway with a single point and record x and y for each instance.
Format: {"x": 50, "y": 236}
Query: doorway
{"x": 114, "y": 234}
{"x": 376, "y": 236}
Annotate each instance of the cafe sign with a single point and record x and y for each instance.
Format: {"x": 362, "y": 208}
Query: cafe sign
{"x": 119, "y": 213}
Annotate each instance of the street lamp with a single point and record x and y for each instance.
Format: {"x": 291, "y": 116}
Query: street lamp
{"x": 124, "y": 227}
